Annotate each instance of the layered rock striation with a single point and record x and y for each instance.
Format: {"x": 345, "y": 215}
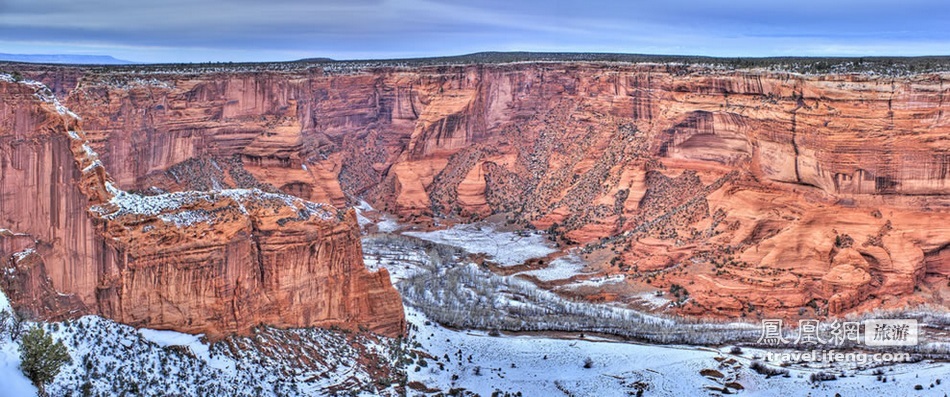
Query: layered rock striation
{"x": 215, "y": 262}
{"x": 761, "y": 192}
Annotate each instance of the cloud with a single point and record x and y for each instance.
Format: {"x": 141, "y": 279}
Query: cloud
{"x": 151, "y": 30}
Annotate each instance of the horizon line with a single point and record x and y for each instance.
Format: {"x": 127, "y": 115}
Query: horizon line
{"x": 529, "y": 56}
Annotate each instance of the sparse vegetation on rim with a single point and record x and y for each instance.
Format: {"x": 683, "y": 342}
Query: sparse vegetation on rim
{"x": 884, "y": 66}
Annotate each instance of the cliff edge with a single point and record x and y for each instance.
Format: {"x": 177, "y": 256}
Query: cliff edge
{"x": 214, "y": 262}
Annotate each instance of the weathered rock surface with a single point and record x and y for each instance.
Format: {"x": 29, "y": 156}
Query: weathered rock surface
{"x": 759, "y": 192}
{"x": 216, "y": 262}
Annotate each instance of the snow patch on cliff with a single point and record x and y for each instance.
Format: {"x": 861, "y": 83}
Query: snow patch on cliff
{"x": 8, "y": 232}
{"x": 187, "y": 217}
{"x": 20, "y": 256}
{"x": 129, "y": 204}
{"x": 44, "y": 94}
{"x": 94, "y": 165}
{"x": 173, "y": 207}
{"x": 89, "y": 152}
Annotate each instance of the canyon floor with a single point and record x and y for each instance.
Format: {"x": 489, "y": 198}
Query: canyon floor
{"x": 112, "y": 359}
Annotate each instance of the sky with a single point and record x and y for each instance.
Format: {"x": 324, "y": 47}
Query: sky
{"x": 280, "y": 30}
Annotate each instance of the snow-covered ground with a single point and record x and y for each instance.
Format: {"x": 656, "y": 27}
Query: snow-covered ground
{"x": 504, "y": 248}
{"x": 541, "y": 366}
{"x": 561, "y": 268}
{"x": 115, "y": 359}
{"x": 455, "y": 292}
{"x": 392, "y": 254}
{"x": 112, "y": 359}
{"x": 653, "y": 300}
{"x": 12, "y": 381}
{"x": 168, "y": 206}
{"x": 166, "y": 338}
{"x": 545, "y": 366}
{"x": 596, "y": 282}
{"x": 386, "y": 223}
{"x": 360, "y": 218}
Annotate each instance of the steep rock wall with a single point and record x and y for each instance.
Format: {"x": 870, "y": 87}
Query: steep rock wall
{"x": 771, "y": 190}
{"x": 213, "y": 262}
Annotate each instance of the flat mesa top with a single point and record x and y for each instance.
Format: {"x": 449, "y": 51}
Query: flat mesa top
{"x": 890, "y": 66}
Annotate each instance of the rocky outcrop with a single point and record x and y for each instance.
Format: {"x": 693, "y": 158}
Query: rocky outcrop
{"x": 215, "y": 262}
{"x": 25, "y": 281}
{"x": 740, "y": 185}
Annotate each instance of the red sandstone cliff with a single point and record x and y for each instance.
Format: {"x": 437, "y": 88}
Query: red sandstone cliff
{"x": 759, "y": 191}
{"x": 214, "y": 262}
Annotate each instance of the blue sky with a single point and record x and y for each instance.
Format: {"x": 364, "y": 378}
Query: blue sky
{"x": 276, "y": 30}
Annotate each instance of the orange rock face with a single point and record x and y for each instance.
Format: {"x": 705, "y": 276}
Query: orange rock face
{"x": 213, "y": 262}
{"x": 759, "y": 192}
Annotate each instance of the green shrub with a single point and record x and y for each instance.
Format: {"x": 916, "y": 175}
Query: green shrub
{"x": 41, "y": 357}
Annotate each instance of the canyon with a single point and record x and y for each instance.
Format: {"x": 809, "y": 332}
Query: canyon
{"x": 214, "y": 262}
{"x": 757, "y": 192}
